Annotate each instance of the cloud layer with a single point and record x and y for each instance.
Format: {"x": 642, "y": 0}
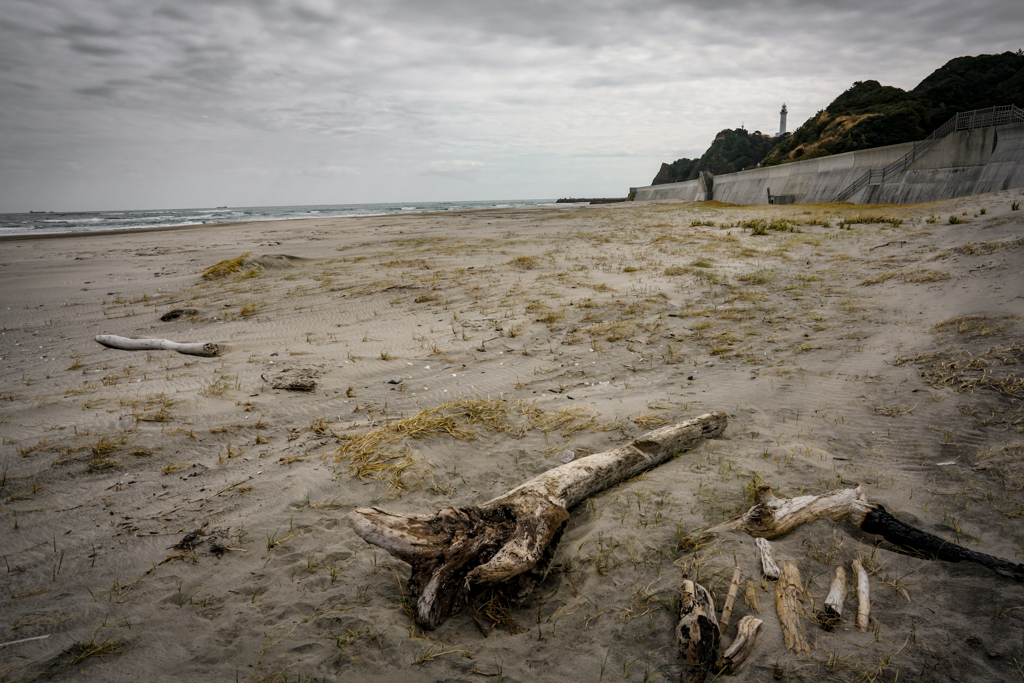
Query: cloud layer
{"x": 119, "y": 104}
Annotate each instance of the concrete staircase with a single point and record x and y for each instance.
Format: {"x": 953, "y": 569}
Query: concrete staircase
{"x": 968, "y": 120}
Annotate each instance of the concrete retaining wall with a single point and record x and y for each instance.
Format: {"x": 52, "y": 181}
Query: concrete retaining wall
{"x": 963, "y": 163}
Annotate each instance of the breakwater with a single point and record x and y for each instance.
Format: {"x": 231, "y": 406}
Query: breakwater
{"x": 962, "y": 163}
{"x": 601, "y": 200}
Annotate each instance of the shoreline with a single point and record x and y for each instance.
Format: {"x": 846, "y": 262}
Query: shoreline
{"x": 190, "y": 514}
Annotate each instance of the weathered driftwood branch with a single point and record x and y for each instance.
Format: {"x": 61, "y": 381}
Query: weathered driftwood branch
{"x": 768, "y": 566}
{"x": 863, "y": 596}
{"x": 129, "y": 344}
{"x": 512, "y": 538}
{"x": 831, "y": 614}
{"x": 772, "y": 517}
{"x": 789, "y": 593}
{"x": 746, "y": 639}
{"x": 697, "y": 632}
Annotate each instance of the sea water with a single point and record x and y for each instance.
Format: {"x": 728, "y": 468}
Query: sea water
{"x": 90, "y": 221}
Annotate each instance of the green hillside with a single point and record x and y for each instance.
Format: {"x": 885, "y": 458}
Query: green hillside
{"x": 873, "y": 115}
{"x": 868, "y": 115}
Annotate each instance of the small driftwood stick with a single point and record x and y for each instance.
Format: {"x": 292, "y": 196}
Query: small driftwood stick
{"x": 697, "y": 632}
{"x": 768, "y": 566}
{"x": 731, "y": 598}
{"x": 746, "y": 639}
{"x": 512, "y": 538}
{"x": 831, "y": 615}
{"x": 863, "y": 596}
{"x": 789, "y": 593}
{"x": 750, "y": 597}
{"x": 129, "y": 344}
{"x": 772, "y": 517}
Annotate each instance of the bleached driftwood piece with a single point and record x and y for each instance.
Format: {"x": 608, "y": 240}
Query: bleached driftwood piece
{"x": 768, "y": 566}
{"x": 697, "y": 632}
{"x": 731, "y": 597}
{"x": 129, "y": 344}
{"x": 772, "y": 517}
{"x": 863, "y": 596}
{"x": 831, "y": 614}
{"x": 750, "y": 597}
{"x": 746, "y": 639}
{"x": 789, "y": 593}
{"x": 512, "y": 538}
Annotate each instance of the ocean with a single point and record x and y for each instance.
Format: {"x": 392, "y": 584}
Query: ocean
{"x": 36, "y": 223}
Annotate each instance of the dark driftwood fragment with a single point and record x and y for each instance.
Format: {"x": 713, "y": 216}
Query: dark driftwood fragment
{"x": 511, "y": 539}
{"x": 176, "y": 313}
{"x": 697, "y": 632}
{"x": 922, "y": 544}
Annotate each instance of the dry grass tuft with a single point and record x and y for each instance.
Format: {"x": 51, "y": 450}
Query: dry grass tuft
{"x": 524, "y": 263}
{"x": 227, "y": 267}
{"x": 916, "y": 276}
{"x": 384, "y": 453}
{"x": 975, "y": 325}
{"x": 980, "y": 249}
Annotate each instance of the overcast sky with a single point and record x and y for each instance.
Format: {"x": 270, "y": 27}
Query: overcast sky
{"x": 129, "y": 104}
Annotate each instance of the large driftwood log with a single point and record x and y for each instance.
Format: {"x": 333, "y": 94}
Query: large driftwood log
{"x": 512, "y": 538}
{"x": 772, "y": 517}
{"x": 789, "y": 592}
{"x": 129, "y": 344}
{"x": 697, "y": 632}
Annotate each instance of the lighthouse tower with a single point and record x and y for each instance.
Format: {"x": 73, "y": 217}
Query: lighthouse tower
{"x": 782, "y": 120}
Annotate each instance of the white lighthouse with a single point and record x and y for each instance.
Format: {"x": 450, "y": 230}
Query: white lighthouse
{"x": 782, "y": 120}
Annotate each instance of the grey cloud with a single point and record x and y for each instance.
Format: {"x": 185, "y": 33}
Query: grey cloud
{"x": 96, "y": 50}
{"x": 449, "y": 78}
{"x": 171, "y": 12}
{"x": 98, "y": 91}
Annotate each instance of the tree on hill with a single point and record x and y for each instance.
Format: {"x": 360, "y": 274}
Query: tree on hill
{"x": 733, "y": 150}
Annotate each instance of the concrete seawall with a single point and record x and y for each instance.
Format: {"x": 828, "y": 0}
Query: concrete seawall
{"x": 963, "y": 163}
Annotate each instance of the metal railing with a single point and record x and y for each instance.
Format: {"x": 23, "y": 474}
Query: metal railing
{"x": 967, "y": 120}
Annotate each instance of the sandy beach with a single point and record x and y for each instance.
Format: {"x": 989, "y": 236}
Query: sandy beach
{"x": 171, "y": 517}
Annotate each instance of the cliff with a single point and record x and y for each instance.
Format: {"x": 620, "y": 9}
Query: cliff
{"x": 732, "y": 150}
